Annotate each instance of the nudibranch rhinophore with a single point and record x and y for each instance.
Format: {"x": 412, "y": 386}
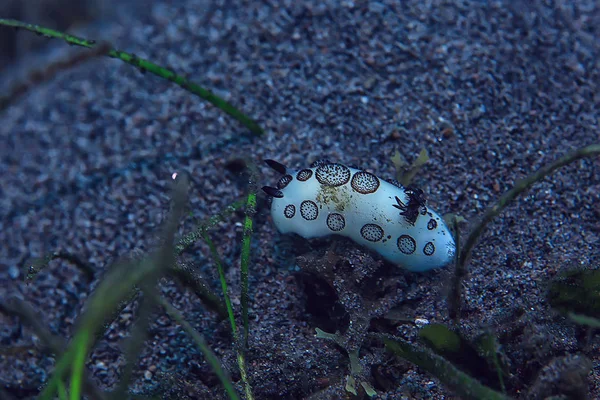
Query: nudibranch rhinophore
{"x": 393, "y": 220}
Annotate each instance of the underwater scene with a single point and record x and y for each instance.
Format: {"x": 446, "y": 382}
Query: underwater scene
{"x": 275, "y": 199}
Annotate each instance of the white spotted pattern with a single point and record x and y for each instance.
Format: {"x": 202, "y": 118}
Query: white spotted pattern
{"x": 332, "y": 198}
{"x": 336, "y": 222}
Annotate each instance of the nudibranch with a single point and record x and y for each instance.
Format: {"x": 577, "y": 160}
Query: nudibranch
{"x": 393, "y": 220}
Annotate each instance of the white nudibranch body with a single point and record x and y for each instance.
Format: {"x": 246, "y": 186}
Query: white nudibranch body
{"x": 331, "y": 198}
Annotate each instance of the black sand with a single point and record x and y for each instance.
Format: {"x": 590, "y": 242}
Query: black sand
{"x": 493, "y": 90}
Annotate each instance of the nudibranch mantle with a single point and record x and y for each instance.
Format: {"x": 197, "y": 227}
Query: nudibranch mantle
{"x": 331, "y": 198}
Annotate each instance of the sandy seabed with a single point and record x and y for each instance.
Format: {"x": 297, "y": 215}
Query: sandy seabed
{"x": 492, "y": 89}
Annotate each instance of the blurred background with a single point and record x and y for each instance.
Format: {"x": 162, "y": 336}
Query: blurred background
{"x": 64, "y": 15}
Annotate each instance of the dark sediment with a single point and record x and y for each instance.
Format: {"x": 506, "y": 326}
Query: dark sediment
{"x": 493, "y": 90}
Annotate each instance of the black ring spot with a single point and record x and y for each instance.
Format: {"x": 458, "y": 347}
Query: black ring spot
{"x": 284, "y": 181}
{"x": 336, "y": 222}
{"x": 304, "y": 175}
{"x": 309, "y": 210}
{"x": 289, "y": 211}
{"x": 406, "y": 244}
{"x": 365, "y": 182}
{"x": 432, "y": 224}
{"x": 372, "y": 232}
{"x": 429, "y": 249}
{"x": 333, "y": 174}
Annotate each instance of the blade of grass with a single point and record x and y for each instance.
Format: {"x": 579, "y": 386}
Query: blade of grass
{"x": 36, "y": 265}
{"x": 189, "y": 239}
{"x": 244, "y": 267}
{"x": 81, "y": 348}
{"x": 492, "y": 212}
{"x": 55, "y": 344}
{"x": 454, "y": 295}
{"x": 245, "y": 254}
{"x": 135, "y": 342}
{"x": 240, "y": 353}
{"x": 219, "y": 264}
{"x": 245, "y": 259}
{"x": 241, "y": 359}
{"x": 114, "y": 288}
{"x": 520, "y": 187}
{"x": 584, "y": 320}
{"x": 48, "y": 72}
{"x": 62, "y": 391}
{"x": 210, "y": 357}
{"x": 60, "y": 370}
{"x": 144, "y": 65}
{"x": 191, "y": 278}
{"x": 461, "y": 383}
